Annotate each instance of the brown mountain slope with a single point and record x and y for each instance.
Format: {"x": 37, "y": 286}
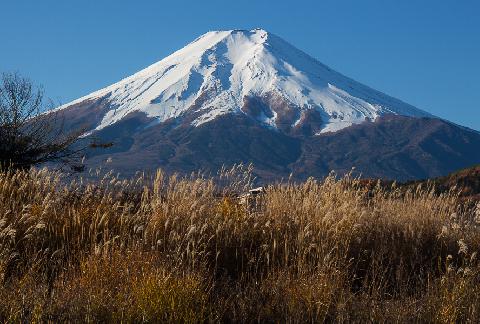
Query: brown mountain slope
{"x": 394, "y": 147}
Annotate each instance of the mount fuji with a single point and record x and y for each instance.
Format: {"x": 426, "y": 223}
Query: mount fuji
{"x": 249, "y": 96}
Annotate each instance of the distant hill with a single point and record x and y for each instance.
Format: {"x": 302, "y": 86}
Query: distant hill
{"x": 466, "y": 182}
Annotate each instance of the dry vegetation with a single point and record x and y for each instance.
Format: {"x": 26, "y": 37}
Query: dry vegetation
{"x": 174, "y": 249}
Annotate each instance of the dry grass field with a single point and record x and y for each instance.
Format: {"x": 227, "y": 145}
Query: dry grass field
{"x": 183, "y": 249}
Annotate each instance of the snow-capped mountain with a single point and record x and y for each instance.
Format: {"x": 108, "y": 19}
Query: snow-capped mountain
{"x": 221, "y": 71}
{"x": 250, "y": 97}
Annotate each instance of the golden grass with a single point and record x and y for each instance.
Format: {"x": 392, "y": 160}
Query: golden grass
{"x": 183, "y": 249}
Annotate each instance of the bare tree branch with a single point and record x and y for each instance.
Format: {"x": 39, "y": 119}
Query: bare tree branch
{"x": 28, "y": 134}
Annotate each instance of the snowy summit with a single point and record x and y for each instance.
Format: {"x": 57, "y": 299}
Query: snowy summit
{"x": 245, "y": 72}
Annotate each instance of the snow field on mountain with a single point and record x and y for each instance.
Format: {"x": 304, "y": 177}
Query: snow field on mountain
{"x": 214, "y": 74}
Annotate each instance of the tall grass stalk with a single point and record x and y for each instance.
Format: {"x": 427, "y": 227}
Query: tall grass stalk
{"x": 184, "y": 249}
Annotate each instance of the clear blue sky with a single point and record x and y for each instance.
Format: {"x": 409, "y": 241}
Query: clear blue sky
{"x": 424, "y": 52}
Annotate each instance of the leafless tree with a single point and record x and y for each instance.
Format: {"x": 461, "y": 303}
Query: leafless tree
{"x": 30, "y": 133}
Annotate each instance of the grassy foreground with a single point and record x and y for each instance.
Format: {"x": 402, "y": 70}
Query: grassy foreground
{"x": 174, "y": 249}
